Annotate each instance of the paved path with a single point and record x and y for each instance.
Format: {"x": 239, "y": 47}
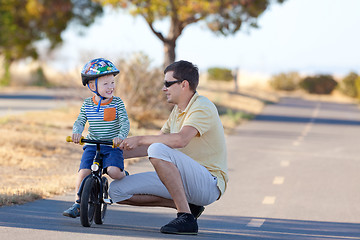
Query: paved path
{"x": 294, "y": 174}
{"x": 15, "y": 101}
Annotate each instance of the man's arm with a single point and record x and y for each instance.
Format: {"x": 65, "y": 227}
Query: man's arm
{"x": 140, "y": 151}
{"x": 173, "y": 140}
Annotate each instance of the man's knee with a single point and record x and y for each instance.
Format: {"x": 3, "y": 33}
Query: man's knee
{"x": 155, "y": 149}
{"x": 160, "y": 153}
{"x": 116, "y": 191}
{"x": 154, "y": 161}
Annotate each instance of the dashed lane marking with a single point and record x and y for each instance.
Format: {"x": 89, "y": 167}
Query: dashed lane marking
{"x": 269, "y": 200}
{"x": 308, "y": 126}
{"x": 284, "y": 163}
{"x": 278, "y": 180}
{"x": 256, "y": 222}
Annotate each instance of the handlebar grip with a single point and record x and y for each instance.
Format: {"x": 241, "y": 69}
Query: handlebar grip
{"x": 113, "y": 145}
{"x": 69, "y": 139}
{"x": 81, "y": 142}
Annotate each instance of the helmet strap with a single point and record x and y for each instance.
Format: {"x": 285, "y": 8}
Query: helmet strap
{"x": 97, "y": 93}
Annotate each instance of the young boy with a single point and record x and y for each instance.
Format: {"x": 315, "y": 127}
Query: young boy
{"x": 108, "y": 121}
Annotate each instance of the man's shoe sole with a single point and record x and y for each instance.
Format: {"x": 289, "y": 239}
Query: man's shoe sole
{"x": 178, "y": 233}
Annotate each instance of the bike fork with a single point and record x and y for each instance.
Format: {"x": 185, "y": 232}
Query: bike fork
{"x": 81, "y": 188}
{"x": 102, "y": 200}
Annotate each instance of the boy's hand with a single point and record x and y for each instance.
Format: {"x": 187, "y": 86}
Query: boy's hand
{"x": 76, "y": 137}
{"x": 117, "y": 141}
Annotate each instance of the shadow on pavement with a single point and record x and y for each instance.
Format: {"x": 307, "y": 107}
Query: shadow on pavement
{"x": 47, "y": 215}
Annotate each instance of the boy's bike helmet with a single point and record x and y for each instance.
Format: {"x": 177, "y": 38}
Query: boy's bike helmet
{"x": 96, "y": 68}
{"x": 93, "y": 70}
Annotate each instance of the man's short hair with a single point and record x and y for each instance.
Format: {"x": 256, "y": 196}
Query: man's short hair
{"x": 184, "y": 70}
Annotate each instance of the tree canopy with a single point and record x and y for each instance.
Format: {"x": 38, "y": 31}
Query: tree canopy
{"x": 223, "y": 17}
{"x": 25, "y": 22}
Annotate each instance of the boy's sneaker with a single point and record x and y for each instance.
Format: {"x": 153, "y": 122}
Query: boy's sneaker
{"x": 185, "y": 223}
{"x": 196, "y": 210}
{"x": 73, "y": 211}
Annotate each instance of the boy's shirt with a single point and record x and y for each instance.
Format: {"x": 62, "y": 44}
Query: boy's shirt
{"x": 111, "y": 121}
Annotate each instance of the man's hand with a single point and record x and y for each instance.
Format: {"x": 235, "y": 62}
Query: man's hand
{"x": 130, "y": 143}
{"x": 117, "y": 141}
{"x": 76, "y": 137}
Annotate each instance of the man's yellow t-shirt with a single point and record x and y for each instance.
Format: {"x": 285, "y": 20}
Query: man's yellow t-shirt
{"x": 208, "y": 148}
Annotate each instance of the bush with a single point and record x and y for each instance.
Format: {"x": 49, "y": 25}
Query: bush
{"x": 285, "y": 81}
{"x": 357, "y": 86}
{"x": 38, "y": 78}
{"x": 319, "y": 84}
{"x": 141, "y": 89}
{"x": 347, "y": 85}
{"x": 220, "y": 74}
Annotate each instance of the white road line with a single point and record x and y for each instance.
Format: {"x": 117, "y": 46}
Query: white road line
{"x": 278, "y": 180}
{"x": 316, "y": 111}
{"x": 298, "y": 140}
{"x": 306, "y": 129}
{"x": 308, "y": 126}
{"x": 256, "y": 222}
{"x": 269, "y": 200}
{"x": 284, "y": 163}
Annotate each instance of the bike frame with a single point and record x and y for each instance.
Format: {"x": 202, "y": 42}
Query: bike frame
{"x": 98, "y": 160}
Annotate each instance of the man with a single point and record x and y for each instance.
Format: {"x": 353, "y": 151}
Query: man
{"x": 189, "y": 155}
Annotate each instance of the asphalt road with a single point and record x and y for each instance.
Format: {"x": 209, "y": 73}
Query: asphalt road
{"x": 294, "y": 174}
{"x": 15, "y": 101}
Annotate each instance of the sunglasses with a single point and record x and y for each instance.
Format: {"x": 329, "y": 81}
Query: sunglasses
{"x": 168, "y": 84}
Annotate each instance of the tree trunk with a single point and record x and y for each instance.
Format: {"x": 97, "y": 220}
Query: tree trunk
{"x": 5, "y": 79}
{"x": 176, "y": 28}
{"x": 175, "y": 31}
{"x": 169, "y": 52}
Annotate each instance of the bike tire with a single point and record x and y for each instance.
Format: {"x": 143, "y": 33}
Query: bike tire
{"x": 89, "y": 198}
{"x": 100, "y": 209}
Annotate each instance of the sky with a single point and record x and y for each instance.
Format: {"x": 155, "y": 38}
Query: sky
{"x": 307, "y": 36}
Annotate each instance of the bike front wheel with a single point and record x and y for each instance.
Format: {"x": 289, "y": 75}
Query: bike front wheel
{"x": 89, "y": 200}
{"x": 100, "y": 209}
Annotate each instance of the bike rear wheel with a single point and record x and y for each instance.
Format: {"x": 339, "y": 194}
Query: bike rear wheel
{"x": 89, "y": 199}
{"x": 100, "y": 209}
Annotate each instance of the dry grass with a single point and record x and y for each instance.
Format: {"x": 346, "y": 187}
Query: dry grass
{"x": 36, "y": 161}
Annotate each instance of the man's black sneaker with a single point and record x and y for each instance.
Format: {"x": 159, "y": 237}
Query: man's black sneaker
{"x": 185, "y": 223}
{"x": 196, "y": 210}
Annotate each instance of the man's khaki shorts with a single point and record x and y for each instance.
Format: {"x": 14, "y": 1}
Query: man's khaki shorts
{"x": 199, "y": 185}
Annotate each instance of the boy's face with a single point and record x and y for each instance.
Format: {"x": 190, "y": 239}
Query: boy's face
{"x": 106, "y": 85}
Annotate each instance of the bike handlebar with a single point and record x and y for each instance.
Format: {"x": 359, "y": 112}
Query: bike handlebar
{"x": 84, "y": 140}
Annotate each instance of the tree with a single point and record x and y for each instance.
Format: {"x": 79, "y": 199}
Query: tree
{"x": 25, "y": 22}
{"x": 348, "y": 85}
{"x": 222, "y": 17}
